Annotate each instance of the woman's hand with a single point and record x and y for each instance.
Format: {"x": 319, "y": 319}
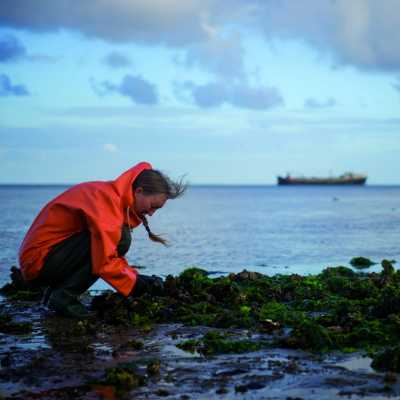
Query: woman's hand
{"x": 152, "y": 285}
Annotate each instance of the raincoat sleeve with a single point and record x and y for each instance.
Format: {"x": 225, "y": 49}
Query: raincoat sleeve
{"x": 105, "y": 235}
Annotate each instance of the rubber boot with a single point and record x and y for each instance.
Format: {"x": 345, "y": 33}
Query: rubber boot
{"x": 64, "y": 298}
{"x": 67, "y": 304}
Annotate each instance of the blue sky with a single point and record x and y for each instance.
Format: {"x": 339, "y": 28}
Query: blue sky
{"x": 233, "y": 92}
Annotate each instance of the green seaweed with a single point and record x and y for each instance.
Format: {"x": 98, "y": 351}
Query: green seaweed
{"x": 123, "y": 378}
{"x": 214, "y": 342}
{"x": 338, "y": 309}
{"x": 309, "y": 335}
{"x": 275, "y": 311}
{"x": 361, "y": 262}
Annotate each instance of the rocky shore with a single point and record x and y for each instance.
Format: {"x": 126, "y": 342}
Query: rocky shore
{"x": 245, "y": 335}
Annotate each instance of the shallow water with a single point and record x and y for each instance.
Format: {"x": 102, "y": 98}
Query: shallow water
{"x": 270, "y": 229}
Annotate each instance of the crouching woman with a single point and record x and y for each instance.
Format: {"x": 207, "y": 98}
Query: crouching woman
{"x": 84, "y": 233}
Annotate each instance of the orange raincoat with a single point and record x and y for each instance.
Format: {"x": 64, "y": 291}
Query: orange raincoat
{"x": 100, "y": 207}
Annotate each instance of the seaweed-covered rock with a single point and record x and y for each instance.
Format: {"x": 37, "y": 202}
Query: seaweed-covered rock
{"x": 123, "y": 378}
{"x": 214, "y": 342}
{"x": 19, "y": 289}
{"x": 153, "y": 367}
{"x": 336, "y": 309}
{"x": 309, "y": 335}
{"x": 387, "y": 360}
{"x": 361, "y": 262}
{"x": 338, "y": 271}
{"x": 388, "y": 268}
{"x": 246, "y": 276}
{"x": 195, "y": 280}
{"x": 7, "y": 325}
{"x": 276, "y": 312}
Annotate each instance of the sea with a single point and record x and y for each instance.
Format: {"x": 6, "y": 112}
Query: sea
{"x": 223, "y": 229}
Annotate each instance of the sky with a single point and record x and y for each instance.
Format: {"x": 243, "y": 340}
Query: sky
{"x": 223, "y": 92}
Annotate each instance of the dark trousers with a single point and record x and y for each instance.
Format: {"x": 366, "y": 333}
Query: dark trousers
{"x": 68, "y": 265}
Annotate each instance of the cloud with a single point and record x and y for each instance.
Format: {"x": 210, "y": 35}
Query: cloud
{"x": 173, "y": 22}
{"x": 240, "y": 95}
{"x": 317, "y": 104}
{"x": 117, "y": 60}
{"x": 194, "y": 25}
{"x": 363, "y": 33}
{"x": 111, "y": 148}
{"x": 11, "y": 49}
{"x": 8, "y": 89}
{"x": 136, "y": 88}
{"x": 222, "y": 56}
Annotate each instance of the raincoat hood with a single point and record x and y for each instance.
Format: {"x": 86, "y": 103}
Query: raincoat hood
{"x": 123, "y": 184}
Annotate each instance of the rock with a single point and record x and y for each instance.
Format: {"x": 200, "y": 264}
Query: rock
{"x": 387, "y": 360}
{"x": 390, "y": 377}
{"x": 270, "y": 326}
{"x": 153, "y": 367}
{"x": 246, "y": 276}
{"x": 7, "y": 325}
{"x": 162, "y": 392}
{"x": 388, "y": 268}
{"x": 361, "y": 262}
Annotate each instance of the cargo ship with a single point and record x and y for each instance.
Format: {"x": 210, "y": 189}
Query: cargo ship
{"x": 346, "y": 179}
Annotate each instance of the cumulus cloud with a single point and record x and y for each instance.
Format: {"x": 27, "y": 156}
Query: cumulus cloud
{"x": 240, "y": 95}
{"x": 116, "y": 60}
{"x": 11, "y": 49}
{"x": 138, "y": 89}
{"x": 314, "y": 103}
{"x": 8, "y": 89}
{"x": 363, "y": 33}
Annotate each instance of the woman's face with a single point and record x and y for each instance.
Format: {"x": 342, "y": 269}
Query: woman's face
{"x": 147, "y": 204}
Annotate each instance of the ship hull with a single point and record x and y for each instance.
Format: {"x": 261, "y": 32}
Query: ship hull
{"x": 321, "y": 181}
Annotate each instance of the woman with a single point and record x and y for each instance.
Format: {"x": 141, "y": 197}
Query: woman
{"x": 84, "y": 233}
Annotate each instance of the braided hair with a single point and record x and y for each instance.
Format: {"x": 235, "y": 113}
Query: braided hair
{"x": 155, "y": 182}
